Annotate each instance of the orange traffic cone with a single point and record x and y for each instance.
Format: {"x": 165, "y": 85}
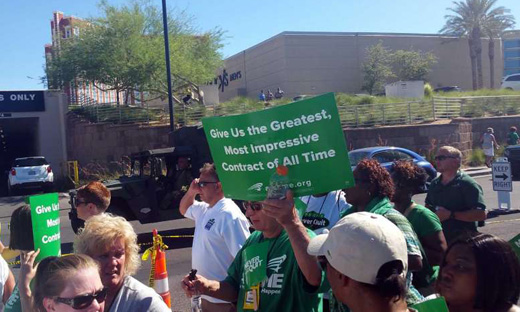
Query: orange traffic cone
{"x": 161, "y": 275}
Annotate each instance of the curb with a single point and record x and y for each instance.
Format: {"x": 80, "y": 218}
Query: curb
{"x": 477, "y": 171}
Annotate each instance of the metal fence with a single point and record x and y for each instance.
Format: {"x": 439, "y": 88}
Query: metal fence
{"x": 351, "y": 116}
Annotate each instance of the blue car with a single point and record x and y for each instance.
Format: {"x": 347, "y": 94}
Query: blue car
{"x": 386, "y": 155}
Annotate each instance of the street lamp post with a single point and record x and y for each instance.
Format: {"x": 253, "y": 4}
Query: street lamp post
{"x": 167, "y": 56}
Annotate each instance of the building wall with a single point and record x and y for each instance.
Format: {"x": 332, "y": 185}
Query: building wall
{"x": 105, "y": 143}
{"x": 511, "y": 52}
{"x": 314, "y": 63}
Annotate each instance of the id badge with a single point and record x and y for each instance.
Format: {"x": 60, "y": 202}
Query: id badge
{"x": 252, "y": 298}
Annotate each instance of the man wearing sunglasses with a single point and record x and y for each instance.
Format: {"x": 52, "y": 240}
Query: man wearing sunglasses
{"x": 454, "y": 196}
{"x": 220, "y": 231}
{"x": 272, "y": 271}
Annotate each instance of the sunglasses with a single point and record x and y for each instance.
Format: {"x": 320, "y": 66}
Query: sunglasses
{"x": 443, "y": 157}
{"x": 84, "y": 301}
{"x": 322, "y": 260}
{"x": 203, "y": 184}
{"x": 255, "y": 206}
{"x": 79, "y": 202}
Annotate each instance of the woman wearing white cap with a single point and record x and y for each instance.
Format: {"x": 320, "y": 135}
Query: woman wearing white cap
{"x": 365, "y": 257}
{"x": 489, "y": 143}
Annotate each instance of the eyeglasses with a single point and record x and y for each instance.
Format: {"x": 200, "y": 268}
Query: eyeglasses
{"x": 443, "y": 157}
{"x": 84, "y": 301}
{"x": 255, "y": 206}
{"x": 322, "y": 260}
{"x": 202, "y": 184}
{"x": 79, "y": 202}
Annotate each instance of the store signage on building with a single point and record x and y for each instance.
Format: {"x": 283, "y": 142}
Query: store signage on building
{"x": 22, "y": 101}
{"x": 223, "y": 79}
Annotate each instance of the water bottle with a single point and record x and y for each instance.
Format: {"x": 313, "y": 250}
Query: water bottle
{"x": 279, "y": 183}
{"x": 195, "y": 304}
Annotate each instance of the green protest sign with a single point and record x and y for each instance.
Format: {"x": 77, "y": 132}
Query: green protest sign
{"x": 45, "y": 215}
{"x": 255, "y": 270}
{"x": 433, "y": 305}
{"x": 304, "y": 137}
{"x": 515, "y": 243}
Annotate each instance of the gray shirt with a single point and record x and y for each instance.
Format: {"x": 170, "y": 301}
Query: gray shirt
{"x": 136, "y": 296}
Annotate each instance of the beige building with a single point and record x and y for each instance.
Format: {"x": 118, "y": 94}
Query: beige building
{"x": 318, "y": 62}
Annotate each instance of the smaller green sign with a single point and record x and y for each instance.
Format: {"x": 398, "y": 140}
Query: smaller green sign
{"x": 434, "y": 305}
{"x": 45, "y": 215}
{"x": 515, "y": 243}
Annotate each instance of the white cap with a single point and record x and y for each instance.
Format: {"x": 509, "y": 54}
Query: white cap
{"x": 359, "y": 244}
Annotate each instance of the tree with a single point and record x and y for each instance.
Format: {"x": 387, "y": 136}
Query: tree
{"x": 470, "y": 20}
{"x": 493, "y": 29}
{"x": 123, "y": 50}
{"x": 377, "y": 68}
{"x": 412, "y": 65}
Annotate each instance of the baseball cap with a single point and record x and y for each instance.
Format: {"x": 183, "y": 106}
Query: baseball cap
{"x": 359, "y": 244}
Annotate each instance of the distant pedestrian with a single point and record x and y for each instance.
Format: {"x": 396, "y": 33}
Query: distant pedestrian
{"x": 489, "y": 143}
{"x": 270, "y": 95}
{"x": 278, "y": 94}
{"x": 512, "y": 137}
{"x": 261, "y": 96}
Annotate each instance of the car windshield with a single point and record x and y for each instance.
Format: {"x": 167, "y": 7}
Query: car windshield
{"x": 356, "y": 156}
{"x": 30, "y": 162}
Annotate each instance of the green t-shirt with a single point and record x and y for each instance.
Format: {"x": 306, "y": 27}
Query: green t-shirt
{"x": 285, "y": 289}
{"x": 460, "y": 194}
{"x": 512, "y": 138}
{"x": 423, "y": 220}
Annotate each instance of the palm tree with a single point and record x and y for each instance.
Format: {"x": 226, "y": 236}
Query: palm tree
{"x": 471, "y": 19}
{"x": 493, "y": 29}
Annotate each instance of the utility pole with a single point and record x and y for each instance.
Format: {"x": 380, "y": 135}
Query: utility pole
{"x": 167, "y": 56}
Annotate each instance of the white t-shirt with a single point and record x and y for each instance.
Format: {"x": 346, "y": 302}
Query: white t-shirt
{"x": 4, "y": 275}
{"x": 220, "y": 232}
{"x": 323, "y": 212}
{"x": 136, "y": 296}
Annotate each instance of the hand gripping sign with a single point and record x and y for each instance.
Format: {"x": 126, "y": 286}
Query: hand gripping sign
{"x": 304, "y": 136}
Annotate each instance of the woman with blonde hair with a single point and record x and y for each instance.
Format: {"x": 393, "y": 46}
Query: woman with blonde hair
{"x": 112, "y": 242}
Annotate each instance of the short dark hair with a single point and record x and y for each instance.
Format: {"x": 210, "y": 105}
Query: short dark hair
{"x": 210, "y": 170}
{"x": 95, "y": 193}
{"x": 21, "y": 233}
{"x": 406, "y": 174}
{"x": 377, "y": 176}
{"x": 498, "y": 271}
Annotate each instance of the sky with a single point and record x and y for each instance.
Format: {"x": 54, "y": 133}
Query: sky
{"x": 25, "y": 24}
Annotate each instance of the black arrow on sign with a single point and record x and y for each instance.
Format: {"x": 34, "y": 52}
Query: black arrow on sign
{"x": 503, "y": 176}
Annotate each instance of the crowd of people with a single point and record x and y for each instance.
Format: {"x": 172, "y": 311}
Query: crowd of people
{"x": 365, "y": 248}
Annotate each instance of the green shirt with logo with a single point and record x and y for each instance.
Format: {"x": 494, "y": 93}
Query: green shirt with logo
{"x": 284, "y": 289}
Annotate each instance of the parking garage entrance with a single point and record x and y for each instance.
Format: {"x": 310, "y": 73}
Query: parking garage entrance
{"x": 32, "y": 123}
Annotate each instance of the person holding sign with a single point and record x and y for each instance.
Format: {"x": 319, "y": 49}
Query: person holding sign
{"x": 454, "y": 196}
{"x": 221, "y": 229}
{"x": 272, "y": 271}
{"x": 112, "y": 242}
{"x": 366, "y": 259}
{"x": 480, "y": 273}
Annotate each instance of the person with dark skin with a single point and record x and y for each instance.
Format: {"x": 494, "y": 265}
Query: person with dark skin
{"x": 480, "y": 273}
{"x": 409, "y": 179}
{"x": 372, "y": 192}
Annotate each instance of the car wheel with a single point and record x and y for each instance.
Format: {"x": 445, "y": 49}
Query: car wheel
{"x": 10, "y": 190}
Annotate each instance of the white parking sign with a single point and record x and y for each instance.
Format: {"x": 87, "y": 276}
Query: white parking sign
{"x": 502, "y": 177}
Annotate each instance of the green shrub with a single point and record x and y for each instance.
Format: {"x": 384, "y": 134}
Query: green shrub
{"x": 477, "y": 157}
{"x": 428, "y": 90}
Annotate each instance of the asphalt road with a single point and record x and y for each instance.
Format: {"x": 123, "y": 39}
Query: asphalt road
{"x": 177, "y": 232}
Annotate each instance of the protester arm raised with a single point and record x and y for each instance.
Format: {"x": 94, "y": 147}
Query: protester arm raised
{"x": 189, "y": 198}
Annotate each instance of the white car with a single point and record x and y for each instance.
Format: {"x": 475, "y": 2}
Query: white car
{"x": 29, "y": 173}
{"x": 511, "y": 82}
